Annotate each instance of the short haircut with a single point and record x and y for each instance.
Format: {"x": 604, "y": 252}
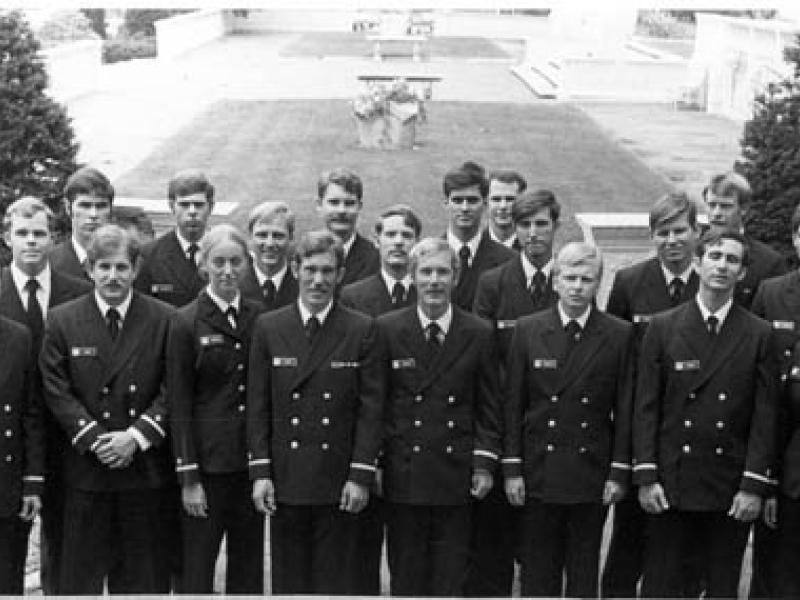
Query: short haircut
{"x": 189, "y": 182}
{"x": 429, "y": 246}
{"x": 410, "y": 218}
{"x": 530, "y": 202}
{"x": 465, "y": 176}
{"x": 672, "y": 206}
{"x": 89, "y": 181}
{"x": 730, "y": 184}
{"x": 320, "y": 241}
{"x": 712, "y": 238}
{"x": 224, "y": 232}
{"x": 795, "y": 219}
{"x": 344, "y": 178}
{"x": 266, "y": 212}
{"x": 110, "y": 239}
{"x": 509, "y": 176}
{"x": 575, "y": 254}
{"x": 28, "y": 207}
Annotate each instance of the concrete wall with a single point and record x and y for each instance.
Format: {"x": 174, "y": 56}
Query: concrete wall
{"x": 73, "y": 69}
{"x": 180, "y": 33}
{"x": 300, "y": 20}
{"x": 633, "y": 79}
{"x": 737, "y": 58}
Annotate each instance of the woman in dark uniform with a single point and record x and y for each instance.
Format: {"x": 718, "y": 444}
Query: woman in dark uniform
{"x": 208, "y": 350}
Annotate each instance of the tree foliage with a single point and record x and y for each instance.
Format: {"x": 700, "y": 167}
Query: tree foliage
{"x": 37, "y": 146}
{"x": 771, "y": 157}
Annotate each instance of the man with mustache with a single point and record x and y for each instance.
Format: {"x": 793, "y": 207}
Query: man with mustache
{"x": 443, "y": 427}
{"x": 465, "y": 190}
{"x": 103, "y": 365}
{"x": 29, "y": 287}
{"x": 397, "y": 230}
{"x": 504, "y": 187}
{"x": 169, "y": 264}
{"x": 269, "y": 280}
{"x": 705, "y": 426}
{"x": 339, "y": 203}
{"x": 88, "y": 196}
{"x": 314, "y": 410}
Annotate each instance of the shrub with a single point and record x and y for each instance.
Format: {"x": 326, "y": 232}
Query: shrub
{"x": 65, "y": 26}
{"x": 127, "y": 48}
{"x": 771, "y": 157}
{"x": 142, "y": 21}
{"x": 97, "y": 20}
{"x": 657, "y": 23}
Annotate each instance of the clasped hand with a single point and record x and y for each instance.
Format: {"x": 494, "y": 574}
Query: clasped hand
{"x": 115, "y": 449}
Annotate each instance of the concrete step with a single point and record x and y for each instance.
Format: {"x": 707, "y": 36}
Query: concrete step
{"x": 541, "y": 77}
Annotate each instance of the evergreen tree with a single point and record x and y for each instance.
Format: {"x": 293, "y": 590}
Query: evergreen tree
{"x": 37, "y": 146}
{"x": 771, "y": 151}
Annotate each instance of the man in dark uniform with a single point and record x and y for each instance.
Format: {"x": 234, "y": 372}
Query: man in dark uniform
{"x": 21, "y": 451}
{"x": 465, "y": 190}
{"x": 639, "y": 292}
{"x": 88, "y": 196}
{"x": 519, "y": 287}
{"x": 269, "y": 280}
{"x": 339, "y": 203}
{"x": 567, "y": 452}
{"x": 705, "y": 423}
{"x": 728, "y": 198}
{"x": 504, "y": 187}
{"x": 28, "y": 288}
{"x": 314, "y": 409}
{"x": 103, "y": 366}
{"x": 397, "y": 230}
{"x": 443, "y": 427}
{"x": 169, "y": 264}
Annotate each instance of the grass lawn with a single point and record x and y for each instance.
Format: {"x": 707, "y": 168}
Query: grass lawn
{"x": 256, "y": 151}
{"x": 331, "y": 43}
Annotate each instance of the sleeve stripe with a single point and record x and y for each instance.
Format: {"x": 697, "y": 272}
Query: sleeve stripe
{"x": 760, "y": 478}
{"x": 37, "y": 478}
{"x": 259, "y": 461}
{"x": 364, "y": 467}
{"x": 485, "y": 453}
{"x": 511, "y": 460}
{"x": 191, "y": 467}
{"x": 645, "y": 467}
{"x": 83, "y": 432}
{"x": 621, "y": 465}
{"x": 154, "y": 425}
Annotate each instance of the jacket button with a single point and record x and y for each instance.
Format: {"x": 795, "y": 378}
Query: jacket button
{"x": 418, "y": 399}
{"x": 784, "y": 377}
{"x": 416, "y": 448}
{"x": 584, "y": 425}
{"x": 158, "y": 418}
{"x": 81, "y": 422}
{"x": 240, "y": 408}
{"x": 326, "y": 421}
{"x": 551, "y": 423}
{"x": 238, "y": 345}
{"x": 451, "y": 424}
{"x": 584, "y": 400}
{"x": 324, "y": 445}
{"x": 132, "y": 388}
{"x": 449, "y": 449}
{"x": 553, "y": 399}
{"x": 720, "y": 424}
{"x": 687, "y": 423}
{"x": 787, "y": 352}
{"x": 240, "y": 367}
{"x": 687, "y": 448}
{"x": 719, "y": 451}
{"x": 178, "y": 460}
{"x": 550, "y": 447}
{"x": 7, "y": 408}
{"x": 326, "y": 395}
{"x": 582, "y": 450}
{"x": 242, "y": 387}
{"x": 294, "y": 444}
{"x": 722, "y": 397}
{"x": 417, "y": 423}
{"x": 9, "y": 433}
{"x": 9, "y": 458}
{"x": 295, "y": 395}
{"x": 106, "y": 415}
{"x": 451, "y": 399}
{"x": 295, "y": 421}
{"x": 132, "y": 412}
{"x": 105, "y": 391}
{"x": 692, "y": 396}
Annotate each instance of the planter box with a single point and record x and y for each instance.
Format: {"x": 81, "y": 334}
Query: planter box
{"x": 395, "y": 130}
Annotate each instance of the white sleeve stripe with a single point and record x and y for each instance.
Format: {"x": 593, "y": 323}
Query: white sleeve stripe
{"x": 511, "y": 461}
{"x": 82, "y": 432}
{"x": 645, "y": 466}
{"x": 758, "y": 477}
{"x": 364, "y": 467}
{"x": 485, "y": 453}
{"x": 33, "y": 478}
{"x": 154, "y": 425}
{"x": 182, "y": 468}
{"x": 259, "y": 461}
{"x": 621, "y": 465}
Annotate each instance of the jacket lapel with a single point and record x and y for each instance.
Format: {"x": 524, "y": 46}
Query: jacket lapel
{"x": 583, "y": 351}
{"x": 10, "y": 302}
{"x": 93, "y": 323}
{"x": 414, "y": 344}
{"x": 132, "y": 333}
{"x": 328, "y": 337}
{"x": 177, "y": 263}
{"x": 721, "y": 346}
{"x": 454, "y": 342}
{"x": 210, "y": 313}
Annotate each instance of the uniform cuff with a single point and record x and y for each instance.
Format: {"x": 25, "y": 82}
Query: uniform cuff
{"x": 152, "y": 428}
{"x": 86, "y": 438}
{"x": 512, "y": 466}
{"x": 32, "y": 485}
{"x": 141, "y": 441}
{"x": 755, "y": 483}
{"x": 259, "y": 468}
{"x": 645, "y": 474}
{"x": 362, "y": 473}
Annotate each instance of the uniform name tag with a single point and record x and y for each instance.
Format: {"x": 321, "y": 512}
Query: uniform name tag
{"x": 345, "y": 364}
{"x": 404, "y": 363}
{"x": 506, "y": 324}
{"x": 687, "y": 365}
{"x": 795, "y": 373}
{"x": 83, "y": 351}
{"x": 642, "y": 318}
{"x": 215, "y": 339}
{"x": 784, "y": 325}
{"x": 284, "y": 361}
{"x": 545, "y": 363}
{"x": 161, "y": 287}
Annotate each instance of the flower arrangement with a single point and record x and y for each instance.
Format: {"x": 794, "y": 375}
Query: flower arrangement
{"x": 376, "y": 102}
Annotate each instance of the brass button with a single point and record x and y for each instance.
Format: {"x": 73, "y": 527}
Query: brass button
{"x": 687, "y": 423}
{"x": 242, "y": 387}
{"x": 241, "y": 407}
{"x": 451, "y": 424}
{"x": 132, "y": 388}
{"x": 416, "y": 448}
{"x": 723, "y": 397}
{"x": 7, "y": 408}
{"x": 451, "y": 399}
{"x": 584, "y": 400}
{"x": 417, "y": 423}
{"x": 238, "y": 345}
{"x": 296, "y": 396}
{"x": 551, "y": 423}
{"x": 582, "y": 450}
{"x": 326, "y": 421}
{"x": 719, "y": 451}
{"x": 295, "y": 421}
{"x": 294, "y": 444}
{"x": 720, "y": 424}
{"x": 417, "y": 399}
{"x": 324, "y": 445}
{"x": 553, "y": 399}
{"x": 687, "y": 448}
{"x": 240, "y": 367}
{"x": 106, "y": 415}
{"x": 584, "y": 425}
{"x": 9, "y": 433}
{"x": 550, "y": 447}
{"x": 449, "y": 449}
{"x": 132, "y": 412}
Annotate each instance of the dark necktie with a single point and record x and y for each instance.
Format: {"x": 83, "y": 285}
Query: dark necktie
{"x": 398, "y": 294}
{"x": 113, "y": 319}
{"x": 433, "y": 331}
{"x": 538, "y": 283}
{"x": 33, "y": 313}
{"x": 231, "y": 314}
{"x": 676, "y": 291}
{"x": 268, "y": 288}
{"x": 573, "y": 331}
{"x": 191, "y": 253}
{"x": 312, "y": 327}
{"x": 463, "y": 260}
{"x": 712, "y": 324}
